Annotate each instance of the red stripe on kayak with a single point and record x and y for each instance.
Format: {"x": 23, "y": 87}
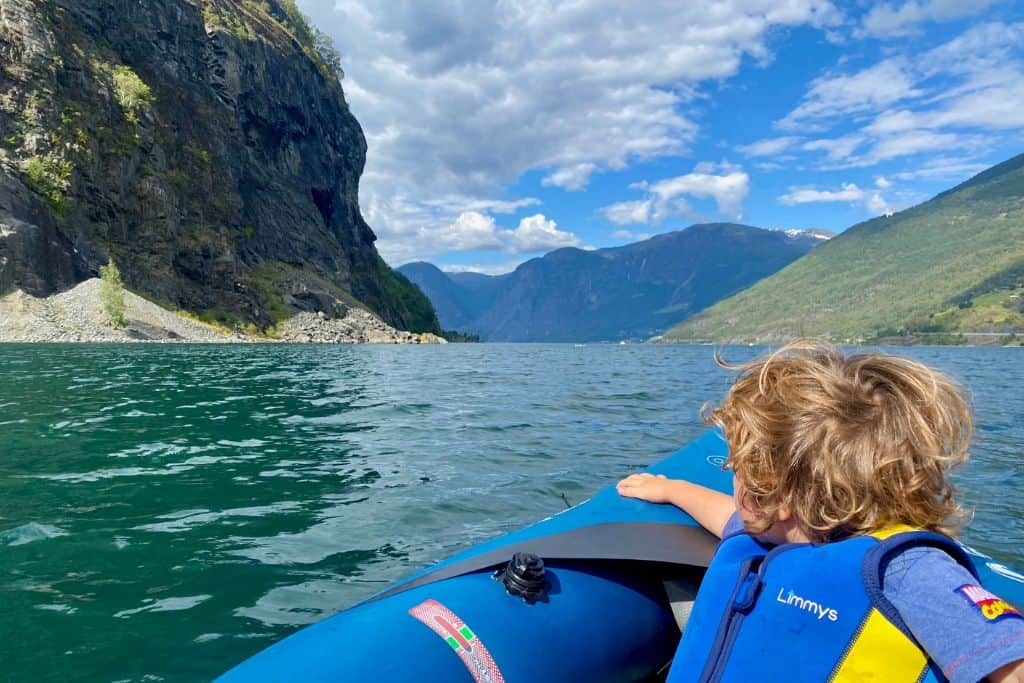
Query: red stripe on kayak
{"x": 447, "y": 624}
{"x": 453, "y": 631}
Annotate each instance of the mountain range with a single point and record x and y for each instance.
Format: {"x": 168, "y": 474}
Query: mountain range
{"x": 632, "y": 292}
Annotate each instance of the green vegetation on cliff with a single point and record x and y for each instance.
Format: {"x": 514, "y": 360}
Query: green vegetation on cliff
{"x": 951, "y": 266}
{"x": 417, "y": 312}
{"x": 49, "y": 176}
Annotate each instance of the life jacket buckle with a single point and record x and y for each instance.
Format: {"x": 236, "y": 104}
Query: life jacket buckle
{"x": 748, "y": 592}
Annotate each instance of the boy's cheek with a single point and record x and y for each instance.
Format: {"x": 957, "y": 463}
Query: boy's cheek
{"x": 737, "y": 491}
{"x": 751, "y": 517}
{"x": 741, "y": 501}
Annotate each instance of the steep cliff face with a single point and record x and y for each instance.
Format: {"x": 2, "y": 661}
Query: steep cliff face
{"x": 204, "y": 145}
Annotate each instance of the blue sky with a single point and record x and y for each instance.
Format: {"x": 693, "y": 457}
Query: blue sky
{"x": 499, "y": 130}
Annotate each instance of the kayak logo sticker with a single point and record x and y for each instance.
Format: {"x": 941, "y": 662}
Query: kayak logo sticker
{"x": 717, "y": 461}
{"x": 991, "y": 606}
{"x": 460, "y": 638}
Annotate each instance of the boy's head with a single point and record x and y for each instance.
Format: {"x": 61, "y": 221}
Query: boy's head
{"x": 843, "y": 444}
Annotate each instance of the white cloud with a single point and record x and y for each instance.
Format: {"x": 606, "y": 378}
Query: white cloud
{"x": 841, "y": 154}
{"x": 873, "y": 201}
{"x": 425, "y": 229}
{"x": 475, "y": 231}
{"x": 630, "y": 213}
{"x": 537, "y": 233}
{"x": 845, "y": 95}
{"x": 725, "y": 183}
{"x": 836, "y": 148}
{"x": 910, "y": 143}
{"x": 570, "y": 178}
{"x": 994, "y": 108}
{"x": 877, "y": 205}
{"x": 849, "y": 193}
{"x": 630, "y": 236}
{"x": 988, "y": 95}
{"x": 882, "y": 182}
{"x": 892, "y": 121}
{"x": 978, "y": 49}
{"x": 485, "y": 268}
{"x": 944, "y": 169}
{"x": 768, "y": 147}
{"x": 460, "y": 97}
{"x": 471, "y": 230}
{"x": 961, "y": 95}
{"x": 888, "y": 20}
{"x": 727, "y": 190}
{"x": 457, "y": 204}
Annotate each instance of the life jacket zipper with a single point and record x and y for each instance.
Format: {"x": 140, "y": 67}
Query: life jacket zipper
{"x": 742, "y": 600}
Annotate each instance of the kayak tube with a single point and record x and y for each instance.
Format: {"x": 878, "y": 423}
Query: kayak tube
{"x": 617, "y": 578}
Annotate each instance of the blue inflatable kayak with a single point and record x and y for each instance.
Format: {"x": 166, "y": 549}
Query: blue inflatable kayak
{"x": 596, "y": 593}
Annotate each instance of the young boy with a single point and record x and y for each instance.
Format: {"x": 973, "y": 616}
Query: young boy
{"x": 836, "y": 562}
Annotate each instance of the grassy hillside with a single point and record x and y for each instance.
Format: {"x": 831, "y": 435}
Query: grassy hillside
{"x": 952, "y": 265}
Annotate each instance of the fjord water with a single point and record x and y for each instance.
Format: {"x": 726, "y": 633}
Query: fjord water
{"x": 166, "y": 511}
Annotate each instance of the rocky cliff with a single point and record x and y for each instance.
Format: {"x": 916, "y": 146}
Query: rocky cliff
{"x": 203, "y": 145}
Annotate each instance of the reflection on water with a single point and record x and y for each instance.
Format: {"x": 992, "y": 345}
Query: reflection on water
{"x": 167, "y": 510}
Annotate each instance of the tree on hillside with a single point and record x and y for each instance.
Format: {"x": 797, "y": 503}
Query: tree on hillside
{"x": 112, "y": 294}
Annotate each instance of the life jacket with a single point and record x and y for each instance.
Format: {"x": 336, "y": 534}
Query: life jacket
{"x": 804, "y": 612}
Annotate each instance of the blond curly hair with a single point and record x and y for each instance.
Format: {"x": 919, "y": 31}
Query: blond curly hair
{"x": 848, "y": 444}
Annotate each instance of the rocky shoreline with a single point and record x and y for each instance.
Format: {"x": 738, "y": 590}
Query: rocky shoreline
{"x": 356, "y": 327}
{"x": 77, "y": 316}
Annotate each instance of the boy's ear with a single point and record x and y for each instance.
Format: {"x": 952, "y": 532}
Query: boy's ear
{"x": 783, "y": 513}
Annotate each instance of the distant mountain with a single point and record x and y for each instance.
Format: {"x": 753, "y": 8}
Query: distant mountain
{"x": 458, "y": 298}
{"x": 948, "y": 270}
{"x": 630, "y": 292}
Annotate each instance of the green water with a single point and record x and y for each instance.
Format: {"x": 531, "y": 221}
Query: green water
{"x": 166, "y": 511}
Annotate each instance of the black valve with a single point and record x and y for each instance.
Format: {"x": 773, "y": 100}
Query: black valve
{"x": 524, "y": 577}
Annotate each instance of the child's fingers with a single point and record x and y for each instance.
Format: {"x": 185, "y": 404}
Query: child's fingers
{"x": 635, "y": 485}
{"x": 632, "y": 492}
{"x": 627, "y": 483}
{"x": 633, "y": 481}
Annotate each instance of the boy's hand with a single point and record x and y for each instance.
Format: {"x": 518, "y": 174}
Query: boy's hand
{"x": 649, "y": 487}
{"x": 712, "y": 509}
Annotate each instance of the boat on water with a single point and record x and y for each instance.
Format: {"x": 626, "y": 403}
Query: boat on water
{"x": 599, "y": 592}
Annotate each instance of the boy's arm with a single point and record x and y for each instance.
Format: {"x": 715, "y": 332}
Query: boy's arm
{"x": 926, "y": 586}
{"x": 712, "y": 509}
{"x": 1011, "y": 673}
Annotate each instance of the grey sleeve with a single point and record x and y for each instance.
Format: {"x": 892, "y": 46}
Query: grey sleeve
{"x": 932, "y": 594}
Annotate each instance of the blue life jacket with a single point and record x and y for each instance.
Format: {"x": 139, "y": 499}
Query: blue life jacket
{"x": 803, "y": 612}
